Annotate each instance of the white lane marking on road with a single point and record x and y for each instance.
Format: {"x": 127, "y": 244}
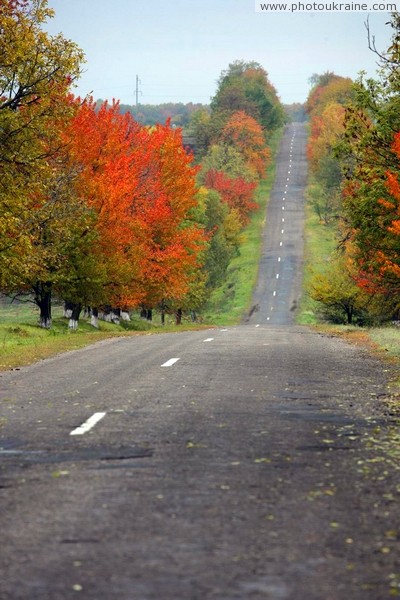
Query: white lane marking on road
{"x": 281, "y": 243}
{"x": 87, "y": 425}
{"x": 283, "y": 208}
{"x": 279, "y": 259}
{"x": 277, "y": 275}
{"x": 257, "y": 325}
{"x": 208, "y": 340}
{"x": 282, "y": 231}
{"x": 267, "y": 318}
{"x": 170, "y": 362}
{"x": 283, "y": 220}
{"x": 274, "y": 294}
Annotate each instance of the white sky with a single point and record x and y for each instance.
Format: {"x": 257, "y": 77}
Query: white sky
{"x": 179, "y": 47}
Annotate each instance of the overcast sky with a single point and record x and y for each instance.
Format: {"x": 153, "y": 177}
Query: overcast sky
{"x": 178, "y": 48}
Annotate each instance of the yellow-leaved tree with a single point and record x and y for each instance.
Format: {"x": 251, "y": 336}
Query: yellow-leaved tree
{"x": 36, "y": 74}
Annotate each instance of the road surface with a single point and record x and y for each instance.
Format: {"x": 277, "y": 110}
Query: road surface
{"x": 235, "y": 463}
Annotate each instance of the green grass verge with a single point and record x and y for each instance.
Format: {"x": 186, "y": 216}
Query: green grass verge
{"x": 387, "y": 338}
{"x": 22, "y": 342}
{"x": 229, "y": 302}
{"x": 319, "y": 244}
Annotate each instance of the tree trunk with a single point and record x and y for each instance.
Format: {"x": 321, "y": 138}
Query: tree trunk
{"x": 349, "y": 314}
{"x": 116, "y": 316}
{"x": 74, "y": 320}
{"x": 94, "y": 319}
{"x": 42, "y": 291}
{"x": 178, "y": 316}
{"x": 68, "y": 306}
{"x": 163, "y": 308}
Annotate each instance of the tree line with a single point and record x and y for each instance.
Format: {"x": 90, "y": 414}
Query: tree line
{"x": 102, "y": 211}
{"x": 354, "y": 157}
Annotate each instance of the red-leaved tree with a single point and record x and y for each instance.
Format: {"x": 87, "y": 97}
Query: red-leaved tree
{"x": 237, "y": 193}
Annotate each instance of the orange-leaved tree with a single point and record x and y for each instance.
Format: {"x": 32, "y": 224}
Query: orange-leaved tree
{"x": 245, "y": 134}
{"x": 101, "y": 143}
{"x": 172, "y": 240}
{"x": 141, "y": 186}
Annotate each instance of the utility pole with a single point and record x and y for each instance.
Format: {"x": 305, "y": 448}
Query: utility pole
{"x": 137, "y": 92}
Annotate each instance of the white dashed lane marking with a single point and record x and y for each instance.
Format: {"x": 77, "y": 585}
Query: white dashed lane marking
{"x": 170, "y": 362}
{"x": 87, "y": 425}
{"x": 208, "y": 340}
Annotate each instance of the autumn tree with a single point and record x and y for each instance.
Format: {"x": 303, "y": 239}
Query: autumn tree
{"x": 141, "y": 186}
{"x": 324, "y": 191}
{"x": 245, "y": 86}
{"x": 226, "y": 158}
{"x": 327, "y": 88}
{"x": 36, "y": 73}
{"x": 236, "y": 193}
{"x": 335, "y": 289}
{"x": 173, "y": 240}
{"x": 370, "y": 157}
{"x": 246, "y": 135}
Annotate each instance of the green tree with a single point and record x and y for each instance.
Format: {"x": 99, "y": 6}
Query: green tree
{"x": 229, "y": 160}
{"x": 245, "y": 86}
{"x": 223, "y": 227}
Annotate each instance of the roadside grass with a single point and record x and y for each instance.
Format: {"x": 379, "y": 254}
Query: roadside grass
{"x": 387, "y": 338}
{"x": 319, "y": 244}
{"x": 22, "y": 342}
{"x": 229, "y": 302}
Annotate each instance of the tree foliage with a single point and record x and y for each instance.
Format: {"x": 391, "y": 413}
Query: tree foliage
{"x": 36, "y": 73}
{"x": 245, "y": 134}
{"x": 141, "y": 186}
{"x": 245, "y": 86}
{"x": 356, "y": 129}
{"x": 370, "y": 156}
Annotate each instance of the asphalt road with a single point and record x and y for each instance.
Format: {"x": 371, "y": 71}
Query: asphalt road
{"x": 234, "y": 463}
{"x": 278, "y": 289}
